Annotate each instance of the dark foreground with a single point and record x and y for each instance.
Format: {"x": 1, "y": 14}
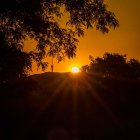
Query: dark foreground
{"x": 55, "y": 106}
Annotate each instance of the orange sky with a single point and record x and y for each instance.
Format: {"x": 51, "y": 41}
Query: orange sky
{"x": 124, "y": 40}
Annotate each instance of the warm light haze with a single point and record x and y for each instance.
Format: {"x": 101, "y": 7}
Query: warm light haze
{"x": 70, "y": 69}
{"x": 123, "y": 40}
{"x": 75, "y": 69}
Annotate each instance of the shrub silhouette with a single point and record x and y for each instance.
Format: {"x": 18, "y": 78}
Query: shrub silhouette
{"x": 114, "y": 66}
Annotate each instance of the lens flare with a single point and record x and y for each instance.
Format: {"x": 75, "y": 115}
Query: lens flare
{"x": 75, "y": 69}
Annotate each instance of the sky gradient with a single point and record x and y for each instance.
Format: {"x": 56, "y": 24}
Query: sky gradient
{"x": 123, "y": 40}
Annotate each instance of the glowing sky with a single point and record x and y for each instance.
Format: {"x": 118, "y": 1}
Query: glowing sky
{"x": 124, "y": 40}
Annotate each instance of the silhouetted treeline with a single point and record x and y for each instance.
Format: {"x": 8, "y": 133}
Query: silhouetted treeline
{"x": 114, "y": 66}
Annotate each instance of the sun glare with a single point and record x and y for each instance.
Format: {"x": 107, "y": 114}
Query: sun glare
{"x": 75, "y": 69}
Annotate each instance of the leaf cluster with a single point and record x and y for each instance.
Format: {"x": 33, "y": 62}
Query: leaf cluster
{"x": 114, "y": 66}
{"x": 38, "y": 20}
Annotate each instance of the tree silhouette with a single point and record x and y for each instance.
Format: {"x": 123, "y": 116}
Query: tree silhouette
{"x": 85, "y": 68}
{"x": 38, "y": 20}
{"x": 114, "y": 66}
{"x": 134, "y": 66}
{"x": 14, "y": 63}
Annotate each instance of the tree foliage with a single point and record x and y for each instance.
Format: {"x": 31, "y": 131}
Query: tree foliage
{"x": 38, "y": 20}
{"x": 14, "y": 63}
{"x": 114, "y": 66}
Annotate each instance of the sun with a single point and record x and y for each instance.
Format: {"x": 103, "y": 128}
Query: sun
{"x": 75, "y": 69}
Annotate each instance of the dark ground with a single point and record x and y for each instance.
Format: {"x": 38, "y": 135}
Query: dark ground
{"x": 69, "y": 106}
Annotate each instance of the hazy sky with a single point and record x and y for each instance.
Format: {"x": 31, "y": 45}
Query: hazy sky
{"x": 124, "y": 40}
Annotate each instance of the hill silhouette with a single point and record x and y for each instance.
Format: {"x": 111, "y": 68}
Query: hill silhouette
{"x": 71, "y": 106}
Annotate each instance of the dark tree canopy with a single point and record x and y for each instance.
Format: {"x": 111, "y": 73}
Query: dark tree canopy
{"x": 114, "y": 66}
{"x": 38, "y": 20}
{"x": 14, "y": 63}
